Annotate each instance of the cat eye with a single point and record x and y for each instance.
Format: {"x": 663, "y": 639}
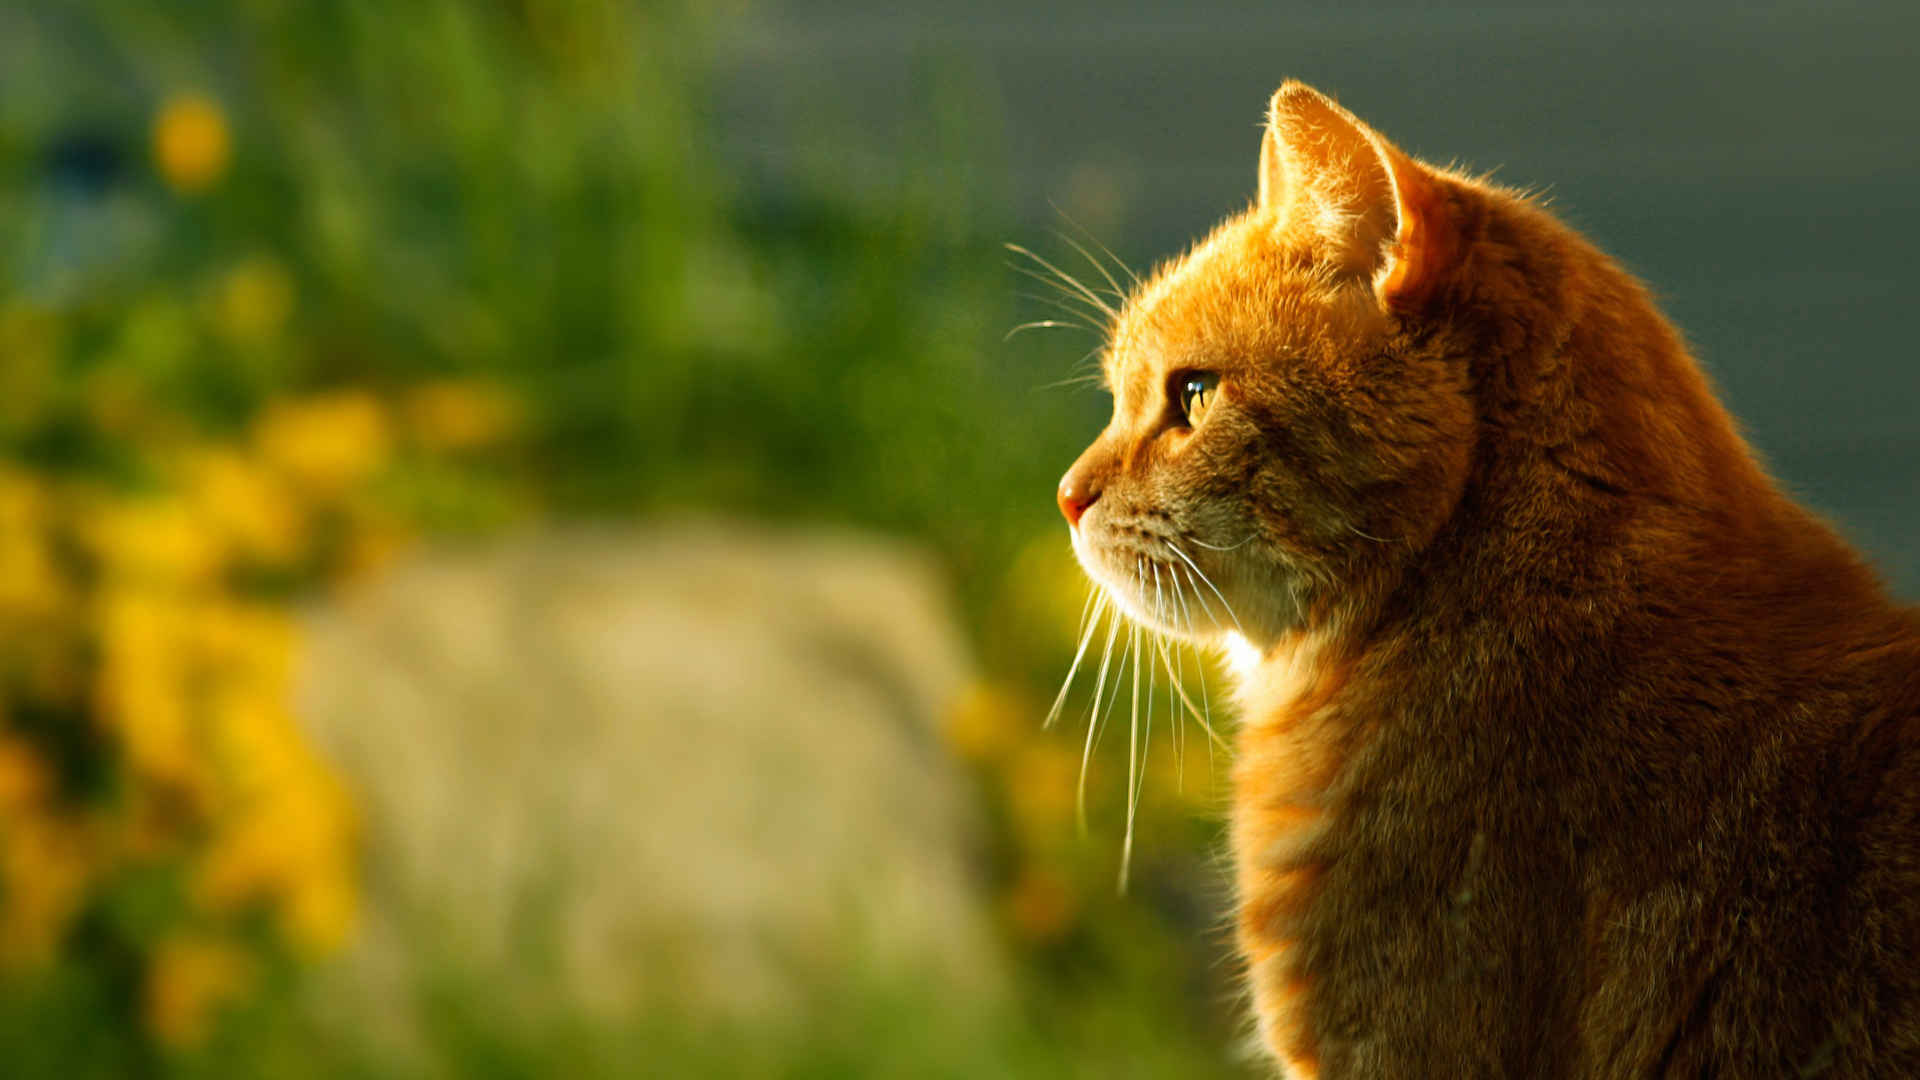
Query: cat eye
{"x": 1194, "y": 395}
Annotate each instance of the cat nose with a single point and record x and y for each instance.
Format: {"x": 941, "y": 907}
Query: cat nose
{"x": 1075, "y": 495}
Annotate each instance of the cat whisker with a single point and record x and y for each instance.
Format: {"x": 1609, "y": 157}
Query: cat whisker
{"x": 1095, "y": 721}
{"x": 1206, "y": 696}
{"x": 1069, "y": 279}
{"x": 1230, "y": 547}
{"x": 1117, "y": 293}
{"x": 1088, "y": 233}
{"x": 1061, "y": 298}
{"x": 1204, "y": 717}
{"x": 1087, "y": 367}
{"x": 1063, "y": 277}
{"x": 1158, "y": 602}
{"x": 1048, "y": 324}
{"x": 1096, "y": 603}
{"x": 1086, "y": 379}
{"x": 1176, "y": 680}
{"x": 1208, "y": 582}
{"x": 1158, "y": 642}
{"x": 1355, "y": 530}
{"x": 1198, "y": 595}
{"x": 1133, "y": 763}
{"x": 1146, "y": 646}
{"x": 1205, "y": 713}
{"x": 1154, "y": 639}
{"x": 1177, "y": 691}
{"x": 1135, "y": 745}
{"x": 1162, "y": 614}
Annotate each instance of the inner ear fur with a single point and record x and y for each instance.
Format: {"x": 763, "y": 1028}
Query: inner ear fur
{"x": 1333, "y": 182}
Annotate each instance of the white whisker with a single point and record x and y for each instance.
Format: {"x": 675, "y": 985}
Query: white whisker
{"x": 1355, "y": 530}
{"x": 1091, "y": 296}
{"x": 1133, "y": 762}
{"x": 1089, "y": 378}
{"x": 1195, "y": 711}
{"x": 1230, "y": 547}
{"x": 1198, "y": 595}
{"x": 1159, "y": 610}
{"x": 1205, "y": 713}
{"x": 1048, "y": 324}
{"x": 1166, "y": 604}
{"x": 1088, "y": 233}
{"x": 1094, "y": 720}
{"x": 1158, "y": 643}
{"x": 1089, "y": 621}
{"x": 1163, "y": 609}
{"x": 1118, "y": 292}
{"x": 1208, "y": 582}
{"x": 1180, "y": 680}
{"x": 1060, "y": 297}
{"x": 1206, "y": 696}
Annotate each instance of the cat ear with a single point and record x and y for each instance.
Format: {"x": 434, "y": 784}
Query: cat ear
{"x": 1273, "y": 177}
{"x": 1427, "y": 241}
{"x": 1368, "y": 207}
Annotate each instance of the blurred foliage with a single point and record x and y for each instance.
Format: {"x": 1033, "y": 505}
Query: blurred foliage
{"x": 284, "y": 283}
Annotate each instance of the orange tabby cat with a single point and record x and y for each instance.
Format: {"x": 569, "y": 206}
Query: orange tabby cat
{"x": 1571, "y": 746}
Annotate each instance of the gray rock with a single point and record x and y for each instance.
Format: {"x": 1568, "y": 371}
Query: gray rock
{"x": 695, "y": 764}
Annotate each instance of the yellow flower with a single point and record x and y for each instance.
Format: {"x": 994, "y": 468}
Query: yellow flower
{"x": 321, "y": 914}
{"x": 1042, "y": 785}
{"x": 153, "y": 825}
{"x": 249, "y": 645}
{"x": 288, "y": 841}
{"x": 44, "y": 869}
{"x": 30, "y": 586}
{"x": 292, "y": 852}
{"x": 23, "y": 776}
{"x": 143, "y": 688}
{"x": 460, "y": 414}
{"x": 371, "y": 544}
{"x": 326, "y": 443}
{"x": 22, "y": 500}
{"x": 188, "y": 979}
{"x": 190, "y": 143}
{"x": 249, "y": 506}
{"x": 253, "y": 300}
{"x": 155, "y": 541}
{"x": 988, "y": 721}
{"x": 259, "y": 746}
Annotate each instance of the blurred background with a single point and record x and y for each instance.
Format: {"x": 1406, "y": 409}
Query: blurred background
{"x": 526, "y": 548}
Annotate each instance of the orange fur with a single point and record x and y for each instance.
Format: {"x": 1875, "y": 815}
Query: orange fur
{"x": 1572, "y": 746}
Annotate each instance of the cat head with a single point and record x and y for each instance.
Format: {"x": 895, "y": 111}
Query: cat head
{"x": 1288, "y": 429}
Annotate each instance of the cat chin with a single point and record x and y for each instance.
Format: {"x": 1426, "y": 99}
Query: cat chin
{"x": 1124, "y": 590}
{"x": 1264, "y": 609}
{"x": 1139, "y": 614}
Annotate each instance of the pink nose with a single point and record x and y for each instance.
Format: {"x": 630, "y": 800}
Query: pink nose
{"x": 1075, "y": 496}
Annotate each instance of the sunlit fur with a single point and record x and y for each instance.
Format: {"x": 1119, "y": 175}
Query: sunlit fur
{"x": 1570, "y": 746}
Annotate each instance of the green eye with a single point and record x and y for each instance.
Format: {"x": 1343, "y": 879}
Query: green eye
{"x": 1197, "y": 391}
